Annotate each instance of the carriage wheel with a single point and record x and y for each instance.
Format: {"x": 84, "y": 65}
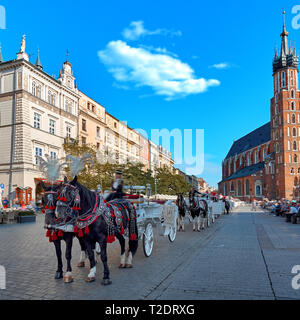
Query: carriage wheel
{"x": 172, "y": 234}
{"x": 148, "y": 240}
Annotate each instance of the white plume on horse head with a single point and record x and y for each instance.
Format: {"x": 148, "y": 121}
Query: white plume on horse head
{"x": 50, "y": 167}
{"x": 78, "y": 163}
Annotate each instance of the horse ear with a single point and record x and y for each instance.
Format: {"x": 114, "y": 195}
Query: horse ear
{"x": 74, "y": 180}
{"x": 43, "y": 185}
{"x": 65, "y": 180}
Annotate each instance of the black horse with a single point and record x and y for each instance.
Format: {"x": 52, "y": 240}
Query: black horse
{"x": 49, "y": 202}
{"x": 101, "y": 222}
{"x": 182, "y": 209}
{"x": 199, "y": 211}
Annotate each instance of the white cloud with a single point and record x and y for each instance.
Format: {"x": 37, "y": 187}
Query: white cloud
{"x": 223, "y": 65}
{"x": 166, "y": 75}
{"x": 137, "y": 30}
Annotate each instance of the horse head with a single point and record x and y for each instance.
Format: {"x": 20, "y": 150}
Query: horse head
{"x": 49, "y": 202}
{"x": 68, "y": 199}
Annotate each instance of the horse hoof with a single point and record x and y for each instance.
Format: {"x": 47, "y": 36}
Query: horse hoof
{"x": 106, "y": 282}
{"x": 129, "y": 266}
{"x": 81, "y": 264}
{"x": 88, "y": 279}
{"x": 122, "y": 266}
{"x": 58, "y": 275}
{"x": 68, "y": 279}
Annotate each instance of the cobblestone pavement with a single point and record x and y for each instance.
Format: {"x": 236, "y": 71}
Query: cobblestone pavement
{"x": 247, "y": 255}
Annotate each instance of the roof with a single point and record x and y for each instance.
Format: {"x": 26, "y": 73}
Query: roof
{"x": 247, "y": 171}
{"x": 253, "y": 139}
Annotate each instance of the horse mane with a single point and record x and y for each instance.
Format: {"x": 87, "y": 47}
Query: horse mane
{"x": 87, "y": 197}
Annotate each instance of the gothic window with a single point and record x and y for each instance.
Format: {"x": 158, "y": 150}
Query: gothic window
{"x": 293, "y": 94}
{"x": 292, "y": 78}
{"x": 293, "y": 118}
{"x": 232, "y": 186}
{"x": 293, "y": 105}
{"x": 292, "y": 171}
{"x": 282, "y": 79}
{"x": 247, "y": 187}
{"x": 239, "y": 188}
{"x": 295, "y": 146}
{"x": 295, "y": 159}
{"x": 294, "y": 132}
{"x": 277, "y": 148}
{"x": 258, "y": 190}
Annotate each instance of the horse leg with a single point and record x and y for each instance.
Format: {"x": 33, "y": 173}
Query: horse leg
{"x": 133, "y": 244}
{"x": 182, "y": 223}
{"x": 69, "y": 241}
{"x": 122, "y": 244}
{"x": 103, "y": 245}
{"x": 199, "y": 222}
{"x": 59, "y": 272}
{"x": 81, "y": 262}
{"x": 178, "y": 222}
{"x": 194, "y": 223}
{"x": 90, "y": 251}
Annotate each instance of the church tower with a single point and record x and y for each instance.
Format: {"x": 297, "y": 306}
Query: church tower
{"x": 285, "y": 119}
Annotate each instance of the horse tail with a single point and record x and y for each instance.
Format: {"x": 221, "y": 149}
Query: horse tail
{"x": 133, "y": 244}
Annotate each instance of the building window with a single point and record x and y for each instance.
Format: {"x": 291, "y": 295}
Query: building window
{"x": 293, "y": 118}
{"x": 282, "y": 79}
{"x": 98, "y": 132}
{"x": 49, "y": 97}
{"x": 51, "y": 126}
{"x": 239, "y": 188}
{"x": 293, "y": 105}
{"x": 39, "y": 91}
{"x": 294, "y": 132}
{"x": 98, "y": 146}
{"x": 295, "y": 146}
{"x": 277, "y": 148}
{"x": 232, "y": 187}
{"x": 247, "y": 188}
{"x": 293, "y": 94}
{"x": 38, "y": 152}
{"x": 292, "y": 78}
{"x": 69, "y": 132}
{"x": 258, "y": 190}
{"x": 83, "y": 139}
{"x": 83, "y": 124}
{"x": 292, "y": 171}
{"x": 295, "y": 159}
{"x": 53, "y": 155}
{"x": 33, "y": 88}
{"x": 37, "y": 121}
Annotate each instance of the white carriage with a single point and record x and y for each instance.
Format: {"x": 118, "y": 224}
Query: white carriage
{"x": 150, "y": 215}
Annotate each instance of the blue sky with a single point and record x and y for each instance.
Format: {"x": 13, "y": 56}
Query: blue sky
{"x": 162, "y": 64}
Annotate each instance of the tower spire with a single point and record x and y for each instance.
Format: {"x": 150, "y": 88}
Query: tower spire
{"x": 38, "y": 63}
{"x": 284, "y": 40}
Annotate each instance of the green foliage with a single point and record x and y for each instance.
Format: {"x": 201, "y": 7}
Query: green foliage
{"x": 169, "y": 183}
{"x": 25, "y": 213}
